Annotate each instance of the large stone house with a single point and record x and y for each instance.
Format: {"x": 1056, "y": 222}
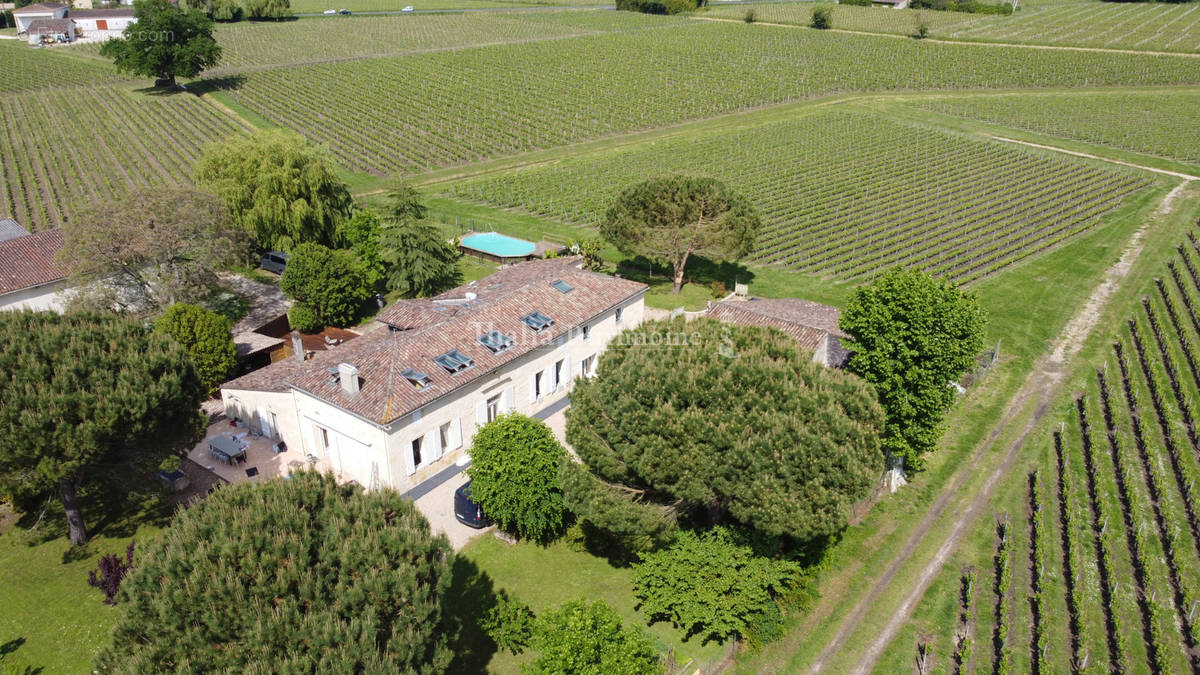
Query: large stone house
{"x": 401, "y": 403}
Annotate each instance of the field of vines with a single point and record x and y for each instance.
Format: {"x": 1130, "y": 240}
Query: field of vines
{"x": 1134, "y": 26}
{"x": 1112, "y": 522}
{"x": 258, "y": 45}
{"x": 24, "y": 69}
{"x": 422, "y": 111}
{"x": 61, "y": 148}
{"x": 318, "y": 6}
{"x": 845, "y": 193}
{"x": 1162, "y": 124}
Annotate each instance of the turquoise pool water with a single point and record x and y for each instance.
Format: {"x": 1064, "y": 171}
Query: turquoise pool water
{"x": 498, "y": 244}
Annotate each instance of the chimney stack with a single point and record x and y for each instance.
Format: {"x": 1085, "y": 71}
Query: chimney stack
{"x": 297, "y": 346}
{"x": 348, "y": 374}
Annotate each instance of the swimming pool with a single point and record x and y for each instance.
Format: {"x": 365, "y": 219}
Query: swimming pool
{"x": 498, "y": 245}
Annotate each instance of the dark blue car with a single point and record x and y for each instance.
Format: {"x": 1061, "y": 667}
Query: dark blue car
{"x": 467, "y": 511}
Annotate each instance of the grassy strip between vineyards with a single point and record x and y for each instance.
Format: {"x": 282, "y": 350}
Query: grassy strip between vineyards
{"x": 1028, "y": 306}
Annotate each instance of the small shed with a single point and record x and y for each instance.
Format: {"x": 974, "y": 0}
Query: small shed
{"x": 102, "y": 22}
{"x": 41, "y": 31}
{"x": 26, "y": 15}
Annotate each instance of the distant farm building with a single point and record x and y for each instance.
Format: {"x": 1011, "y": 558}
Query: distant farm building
{"x": 92, "y": 21}
{"x": 50, "y": 22}
{"x": 25, "y": 16}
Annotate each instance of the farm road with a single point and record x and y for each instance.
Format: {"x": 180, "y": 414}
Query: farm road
{"x": 1040, "y": 389}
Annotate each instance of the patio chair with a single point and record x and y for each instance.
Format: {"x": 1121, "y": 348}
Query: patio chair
{"x": 241, "y": 459}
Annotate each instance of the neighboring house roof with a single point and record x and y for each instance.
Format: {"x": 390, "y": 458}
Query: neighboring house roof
{"x": 29, "y": 261}
{"x": 39, "y": 8}
{"x": 806, "y": 321}
{"x": 50, "y": 26}
{"x": 443, "y": 323}
{"x": 117, "y": 13}
{"x": 11, "y": 229}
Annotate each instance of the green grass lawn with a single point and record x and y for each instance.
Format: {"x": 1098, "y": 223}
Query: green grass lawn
{"x": 55, "y": 621}
{"x": 544, "y": 577}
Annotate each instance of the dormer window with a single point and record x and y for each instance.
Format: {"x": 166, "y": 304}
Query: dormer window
{"x": 562, "y": 286}
{"x": 537, "y": 321}
{"x": 495, "y": 341}
{"x": 417, "y": 379}
{"x": 454, "y": 361}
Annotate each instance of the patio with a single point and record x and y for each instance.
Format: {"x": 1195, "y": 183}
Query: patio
{"x": 261, "y": 460}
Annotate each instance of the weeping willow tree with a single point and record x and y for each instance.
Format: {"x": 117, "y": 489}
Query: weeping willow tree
{"x": 279, "y": 187}
{"x": 719, "y": 423}
{"x": 296, "y": 575}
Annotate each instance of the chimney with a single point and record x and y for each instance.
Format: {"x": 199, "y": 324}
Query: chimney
{"x": 297, "y": 346}
{"x": 470, "y": 296}
{"x": 348, "y": 374}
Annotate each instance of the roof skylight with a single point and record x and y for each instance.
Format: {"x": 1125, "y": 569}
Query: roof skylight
{"x": 495, "y": 341}
{"x": 416, "y": 378}
{"x": 562, "y": 286}
{"x": 454, "y": 361}
{"x": 537, "y": 321}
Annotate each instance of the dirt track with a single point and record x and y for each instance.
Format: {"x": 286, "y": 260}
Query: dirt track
{"x": 1041, "y": 388}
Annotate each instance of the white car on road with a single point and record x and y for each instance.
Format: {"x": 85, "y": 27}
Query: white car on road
{"x": 330, "y": 11}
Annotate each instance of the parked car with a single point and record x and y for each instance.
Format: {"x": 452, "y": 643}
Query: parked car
{"x": 274, "y": 261}
{"x": 407, "y": 8}
{"x": 330, "y": 11}
{"x": 467, "y": 511}
{"x": 343, "y": 11}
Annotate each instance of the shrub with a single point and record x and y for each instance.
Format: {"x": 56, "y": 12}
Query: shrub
{"x": 588, "y": 638}
{"x": 514, "y": 476}
{"x": 205, "y": 335}
{"x": 822, "y": 18}
{"x": 710, "y": 585}
{"x": 719, "y": 290}
{"x": 748, "y": 17}
{"x": 112, "y": 571}
{"x": 656, "y": 6}
{"x": 303, "y": 319}
{"x": 509, "y": 623}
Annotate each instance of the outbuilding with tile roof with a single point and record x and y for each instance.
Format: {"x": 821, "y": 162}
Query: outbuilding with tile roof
{"x": 29, "y": 276}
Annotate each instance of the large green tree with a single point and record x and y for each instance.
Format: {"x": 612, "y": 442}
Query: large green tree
{"x": 588, "y": 638}
{"x": 718, "y": 421}
{"x": 150, "y": 249}
{"x": 268, "y": 9}
{"x": 913, "y": 335}
{"x": 280, "y": 188}
{"x": 360, "y": 234}
{"x": 165, "y": 42}
{"x": 330, "y": 283}
{"x": 81, "y": 390}
{"x": 668, "y": 219}
{"x": 296, "y": 575}
{"x": 711, "y": 585}
{"x": 206, "y": 337}
{"x": 514, "y": 475}
{"x": 420, "y": 261}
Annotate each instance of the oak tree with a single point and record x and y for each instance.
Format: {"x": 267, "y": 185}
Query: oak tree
{"x": 297, "y": 575}
{"x": 165, "y": 42}
{"x": 720, "y": 422}
{"x": 669, "y": 219}
{"x": 87, "y": 389}
{"x": 514, "y": 475}
{"x": 328, "y": 283}
{"x": 913, "y": 335}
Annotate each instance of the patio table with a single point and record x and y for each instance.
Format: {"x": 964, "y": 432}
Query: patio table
{"x": 227, "y": 447}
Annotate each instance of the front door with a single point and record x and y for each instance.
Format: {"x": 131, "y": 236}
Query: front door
{"x": 101, "y": 24}
{"x": 266, "y": 422}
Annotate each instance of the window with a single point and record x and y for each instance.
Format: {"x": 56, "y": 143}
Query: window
{"x": 493, "y": 408}
{"x": 589, "y": 365}
{"x": 495, "y": 341}
{"x": 538, "y": 389}
{"x": 323, "y": 437}
{"x": 417, "y": 379}
{"x": 416, "y": 449}
{"x": 620, "y": 311}
{"x": 454, "y": 361}
{"x": 587, "y": 332}
{"x": 537, "y": 321}
{"x": 558, "y": 373}
{"x": 444, "y": 435}
{"x": 562, "y": 286}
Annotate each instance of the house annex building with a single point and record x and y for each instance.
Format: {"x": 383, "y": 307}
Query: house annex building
{"x": 29, "y": 276}
{"x": 402, "y": 402}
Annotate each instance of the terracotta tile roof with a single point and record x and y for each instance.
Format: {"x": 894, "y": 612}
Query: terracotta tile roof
{"x": 51, "y": 26}
{"x": 117, "y": 13}
{"x": 806, "y": 321}
{"x": 29, "y": 261}
{"x": 434, "y": 326}
{"x": 39, "y": 8}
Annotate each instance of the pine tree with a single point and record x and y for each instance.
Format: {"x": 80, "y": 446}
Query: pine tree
{"x": 83, "y": 389}
{"x": 295, "y": 575}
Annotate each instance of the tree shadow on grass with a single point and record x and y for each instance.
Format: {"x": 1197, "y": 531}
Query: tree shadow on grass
{"x": 211, "y": 84}
{"x": 7, "y": 666}
{"x": 472, "y": 595}
{"x": 699, "y": 270}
